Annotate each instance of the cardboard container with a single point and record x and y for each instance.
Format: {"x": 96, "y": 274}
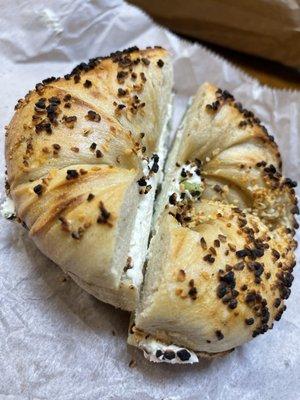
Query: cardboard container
{"x": 265, "y": 28}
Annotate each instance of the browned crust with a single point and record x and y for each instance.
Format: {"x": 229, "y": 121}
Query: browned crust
{"x": 44, "y": 222}
{"x": 82, "y": 68}
{"x": 20, "y": 131}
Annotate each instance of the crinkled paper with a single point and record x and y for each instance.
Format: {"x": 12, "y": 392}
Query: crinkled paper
{"x": 56, "y": 341}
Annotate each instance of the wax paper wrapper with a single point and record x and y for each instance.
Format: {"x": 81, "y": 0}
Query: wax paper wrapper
{"x": 58, "y": 342}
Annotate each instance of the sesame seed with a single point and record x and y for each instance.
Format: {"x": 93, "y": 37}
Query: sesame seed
{"x": 181, "y": 275}
{"x": 87, "y": 84}
{"x": 217, "y": 243}
{"x": 183, "y": 355}
{"x": 172, "y": 199}
{"x": 38, "y": 189}
{"x": 158, "y": 353}
{"x": 193, "y": 293}
{"x": 72, "y": 174}
{"x": 219, "y": 335}
{"x": 121, "y": 92}
{"x": 104, "y": 214}
{"x": 213, "y": 251}
{"x": 222, "y": 238}
{"x": 56, "y": 146}
{"x": 145, "y": 61}
{"x": 93, "y": 116}
{"x": 142, "y": 182}
{"x": 232, "y": 304}
{"x": 208, "y": 258}
{"x": 169, "y": 355}
{"x": 90, "y": 197}
{"x": 203, "y": 243}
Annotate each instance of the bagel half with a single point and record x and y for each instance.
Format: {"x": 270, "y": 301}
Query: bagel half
{"x": 220, "y": 261}
{"x": 83, "y": 155}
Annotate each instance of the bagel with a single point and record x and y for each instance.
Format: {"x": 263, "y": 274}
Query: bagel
{"x": 199, "y": 248}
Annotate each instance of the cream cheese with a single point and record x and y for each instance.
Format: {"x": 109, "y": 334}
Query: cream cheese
{"x": 158, "y": 352}
{"x": 7, "y": 209}
{"x": 170, "y": 182}
{"x": 143, "y": 221}
{"x": 139, "y": 238}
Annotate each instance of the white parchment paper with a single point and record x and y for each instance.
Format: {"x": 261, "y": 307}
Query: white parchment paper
{"x": 56, "y": 341}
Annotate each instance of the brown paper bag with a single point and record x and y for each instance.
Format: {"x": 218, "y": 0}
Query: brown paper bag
{"x": 266, "y": 28}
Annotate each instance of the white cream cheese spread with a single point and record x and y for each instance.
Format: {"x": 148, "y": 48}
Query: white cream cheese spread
{"x": 7, "y": 209}
{"x": 158, "y": 352}
{"x": 142, "y": 225}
